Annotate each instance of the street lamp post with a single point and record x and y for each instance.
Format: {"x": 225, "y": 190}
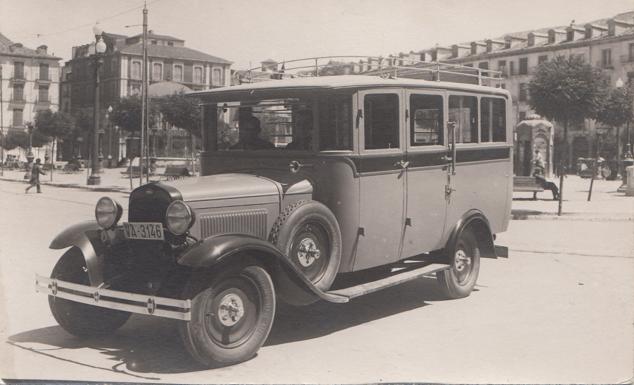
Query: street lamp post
{"x": 109, "y": 136}
{"x": 100, "y": 48}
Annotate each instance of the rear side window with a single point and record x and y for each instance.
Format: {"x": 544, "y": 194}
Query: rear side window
{"x": 464, "y": 111}
{"x": 335, "y": 123}
{"x": 492, "y": 120}
{"x": 381, "y": 121}
{"x": 426, "y": 120}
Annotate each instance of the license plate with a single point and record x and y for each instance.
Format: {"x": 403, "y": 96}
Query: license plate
{"x": 144, "y": 230}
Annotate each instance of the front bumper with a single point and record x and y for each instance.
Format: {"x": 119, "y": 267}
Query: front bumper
{"x": 113, "y": 299}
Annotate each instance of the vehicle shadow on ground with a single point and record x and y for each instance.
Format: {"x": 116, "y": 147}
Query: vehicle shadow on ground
{"x": 147, "y": 345}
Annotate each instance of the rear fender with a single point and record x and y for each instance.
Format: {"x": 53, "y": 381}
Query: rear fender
{"x": 82, "y": 235}
{"x": 223, "y": 248}
{"x": 480, "y": 224}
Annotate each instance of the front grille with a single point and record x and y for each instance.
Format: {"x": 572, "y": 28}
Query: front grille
{"x": 251, "y": 222}
{"x": 148, "y": 204}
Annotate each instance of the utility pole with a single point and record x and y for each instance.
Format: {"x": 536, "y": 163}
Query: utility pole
{"x": 144, "y": 161}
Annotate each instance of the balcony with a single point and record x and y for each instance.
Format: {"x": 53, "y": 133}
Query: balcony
{"x": 605, "y": 65}
{"x": 43, "y": 81}
{"x": 17, "y": 101}
{"x": 627, "y": 58}
{"x": 19, "y": 79}
{"x": 42, "y": 104}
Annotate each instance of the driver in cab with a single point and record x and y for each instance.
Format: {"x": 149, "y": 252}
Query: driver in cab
{"x": 249, "y": 138}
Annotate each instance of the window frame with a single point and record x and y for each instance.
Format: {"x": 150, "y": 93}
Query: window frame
{"x": 361, "y": 120}
{"x": 140, "y": 64}
{"x": 202, "y": 74}
{"x": 408, "y": 129}
{"x": 154, "y": 64}
{"x": 451, "y": 93}
{"x": 182, "y": 77}
{"x": 491, "y": 141}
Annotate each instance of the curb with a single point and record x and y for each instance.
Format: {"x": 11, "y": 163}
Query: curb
{"x": 73, "y": 185}
{"x": 570, "y": 217}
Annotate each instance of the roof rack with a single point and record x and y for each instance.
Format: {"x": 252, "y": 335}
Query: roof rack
{"x": 390, "y": 67}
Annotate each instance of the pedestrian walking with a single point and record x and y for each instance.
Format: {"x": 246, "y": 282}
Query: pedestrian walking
{"x": 36, "y": 171}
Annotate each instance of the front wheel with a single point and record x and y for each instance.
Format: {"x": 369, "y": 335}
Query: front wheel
{"x": 231, "y": 318}
{"x": 460, "y": 279}
{"x": 77, "y": 318}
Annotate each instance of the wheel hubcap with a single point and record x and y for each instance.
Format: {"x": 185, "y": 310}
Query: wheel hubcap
{"x": 230, "y": 310}
{"x": 308, "y": 252}
{"x": 462, "y": 261}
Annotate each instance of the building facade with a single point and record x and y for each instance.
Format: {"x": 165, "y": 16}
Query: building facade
{"x": 121, "y": 76}
{"x": 29, "y": 82}
{"x": 606, "y": 43}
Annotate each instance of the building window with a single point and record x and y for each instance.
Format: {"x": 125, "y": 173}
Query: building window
{"x": 18, "y": 92}
{"x": 18, "y": 70}
{"x": 17, "y": 118}
{"x": 178, "y": 73}
{"x": 157, "y": 71}
{"x": 135, "y": 72}
{"x": 502, "y": 67}
{"x": 216, "y": 78}
{"x": 44, "y": 71}
{"x": 631, "y": 52}
{"x": 522, "y": 115}
{"x": 485, "y": 66}
{"x": 170, "y": 43}
{"x": 524, "y": 66}
{"x": 468, "y": 64}
{"x": 606, "y": 58}
{"x": 542, "y": 59}
{"x": 523, "y": 96}
{"x": 511, "y": 68}
{"x": 43, "y": 94}
{"x": 198, "y": 75}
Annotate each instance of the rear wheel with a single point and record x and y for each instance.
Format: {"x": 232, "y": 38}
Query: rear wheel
{"x": 231, "y": 318}
{"x": 460, "y": 279}
{"x": 77, "y": 318}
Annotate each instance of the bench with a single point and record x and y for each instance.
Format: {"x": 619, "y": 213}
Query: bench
{"x": 176, "y": 172}
{"x": 527, "y": 184}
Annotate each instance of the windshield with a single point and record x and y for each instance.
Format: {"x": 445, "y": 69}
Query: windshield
{"x": 291, "y": 124}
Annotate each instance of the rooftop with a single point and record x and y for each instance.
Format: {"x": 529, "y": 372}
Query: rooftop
{"x": 8, "y": 47}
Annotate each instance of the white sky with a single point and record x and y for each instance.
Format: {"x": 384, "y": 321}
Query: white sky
{"x": 245, "y": 31}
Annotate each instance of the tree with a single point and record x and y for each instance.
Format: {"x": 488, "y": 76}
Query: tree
{"x": 59, "y": 125}
{"x": 617, "y": 111}
{"x": 181, "y": 111}
{"x": 567, "y": 90}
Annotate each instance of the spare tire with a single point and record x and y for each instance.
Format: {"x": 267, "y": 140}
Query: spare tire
{"x": 308, "y": 234}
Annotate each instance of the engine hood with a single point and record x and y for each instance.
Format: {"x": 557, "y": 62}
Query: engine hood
{"x": 225, "y": 186}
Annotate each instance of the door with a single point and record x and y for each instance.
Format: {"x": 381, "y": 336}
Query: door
{"x": 427, "y": 174}
{"x": 382, "y": 167}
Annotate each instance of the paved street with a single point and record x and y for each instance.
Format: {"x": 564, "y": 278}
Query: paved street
{"x": 560, "y": 309}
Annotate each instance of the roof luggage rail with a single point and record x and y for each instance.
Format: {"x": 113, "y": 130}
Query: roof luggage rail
{"x": 391, "y": 67}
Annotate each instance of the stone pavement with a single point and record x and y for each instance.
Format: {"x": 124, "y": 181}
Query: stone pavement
{"x": 606, "y": 205}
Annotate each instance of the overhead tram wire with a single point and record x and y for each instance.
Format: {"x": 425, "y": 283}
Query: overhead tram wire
{"x": 85, "y": 25}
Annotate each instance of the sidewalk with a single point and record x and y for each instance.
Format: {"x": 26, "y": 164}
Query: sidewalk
{"x": 112, "y": 179}
{"x": 607, "y": 204}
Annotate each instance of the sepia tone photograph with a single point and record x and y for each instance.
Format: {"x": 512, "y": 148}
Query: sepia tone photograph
{"x": 294, "y": 191}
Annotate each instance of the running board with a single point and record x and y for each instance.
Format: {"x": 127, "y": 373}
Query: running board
{"x": 384, "y": 283}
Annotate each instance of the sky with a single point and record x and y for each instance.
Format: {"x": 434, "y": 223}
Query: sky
{"x": 249, "y": 31}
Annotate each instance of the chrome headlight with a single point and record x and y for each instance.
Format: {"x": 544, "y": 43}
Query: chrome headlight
{"x": 107, "y": 212}
{"x": 179, "y": 217}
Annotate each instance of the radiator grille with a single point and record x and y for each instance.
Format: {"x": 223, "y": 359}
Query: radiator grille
{"x": 251, "y": 222}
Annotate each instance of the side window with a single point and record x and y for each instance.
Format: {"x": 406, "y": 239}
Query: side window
{"x": 493, "y": 120}
{"x": 426, "y": 120}
{"x": 335, "y": 123}
{"x": 381, "y": 117}
{"x": 464, "y": 111}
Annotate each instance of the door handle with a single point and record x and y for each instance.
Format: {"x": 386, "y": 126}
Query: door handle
{"x": 402, "y": 164}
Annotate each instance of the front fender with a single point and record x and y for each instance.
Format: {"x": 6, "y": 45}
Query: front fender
{"x": 219, "y": 248}
{"x": 77, "y": 235}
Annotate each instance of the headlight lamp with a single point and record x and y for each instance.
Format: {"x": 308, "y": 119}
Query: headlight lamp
{"x": 179, "y": 217}
{"x": 107, "y": 212}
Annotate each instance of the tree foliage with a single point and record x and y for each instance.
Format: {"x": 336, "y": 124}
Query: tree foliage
{"x": 181, "y": 111}
{"x": 567, "y": 90}
{"x": 57, "y": 124}
{"x": 617, "y": 109}
{"x": 127, "y": 113}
